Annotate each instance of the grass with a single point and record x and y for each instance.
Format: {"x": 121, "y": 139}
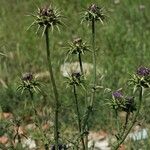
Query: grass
{"x": 122, "y": 45}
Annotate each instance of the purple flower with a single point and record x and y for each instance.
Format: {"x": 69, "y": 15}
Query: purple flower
{"x": 143, "y": 71}
{"x": 117, "y": 94}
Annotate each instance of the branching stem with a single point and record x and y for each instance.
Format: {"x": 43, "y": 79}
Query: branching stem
{"x": 133, "y": 121}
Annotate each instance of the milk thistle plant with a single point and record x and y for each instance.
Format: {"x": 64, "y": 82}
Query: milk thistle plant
{"x": 76, "y": 79}
{"x": 93, "y": 15}
{"x": 140, "y": 81}
{"x": 48, "y": 18}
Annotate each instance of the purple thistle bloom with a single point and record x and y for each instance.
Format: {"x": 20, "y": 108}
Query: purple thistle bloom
{"x": 117, "y": 94}
{"x": 143, "y": 71}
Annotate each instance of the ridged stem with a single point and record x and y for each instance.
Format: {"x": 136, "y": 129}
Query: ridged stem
{"x": 56, "y": 132}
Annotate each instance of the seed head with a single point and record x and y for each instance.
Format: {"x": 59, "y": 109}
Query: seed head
{"x": 75, "y": 78}
{"x": 47, "y": 17}
{"x": 29, "y": 83}
{"x": 78, "y": 46}
{"x": 95, "y": 13}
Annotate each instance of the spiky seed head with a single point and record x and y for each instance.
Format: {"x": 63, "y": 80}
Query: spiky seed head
{"x": 77, "y": 41}
{"x": 29, "y": 83}
{"x": 78, "y": 46}
{"x": 47, "y": 17}
{"x": 95, "y": 13}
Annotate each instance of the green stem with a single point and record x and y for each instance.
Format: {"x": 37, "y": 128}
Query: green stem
{"x": 56, "y": 132}
{"x": 133, "y": 121}
{"x": 80, "y": 62}
{"x": 126, "y": 123}
{"x": 90, "y": 107}
{"x": 94, "y": 51}
{"x": 94, "y": 62}
{"x": 78, "y": 116}
{"x": 117, "y": 120}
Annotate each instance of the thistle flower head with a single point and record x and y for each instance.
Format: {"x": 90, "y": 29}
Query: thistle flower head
{"x": 141, "y": 78}
{"x": 47, "y": 17}
{"x": 78, "y": 46}
{"x": 117, "y": 94}
{"x": 95, "y": 13}
{"x": 28, "y": 82}
{"x": 75, "y": 78}
{"x": 143, "y": 71}
{"x": 122, "y": 103}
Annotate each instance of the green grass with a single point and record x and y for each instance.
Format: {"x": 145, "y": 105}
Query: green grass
{"x": 122, "y": 46}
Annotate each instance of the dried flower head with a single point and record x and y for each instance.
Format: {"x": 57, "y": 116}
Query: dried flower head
{"x": 78, "y": 46}
{"x": 95, "y": 13}
{"x": 76, "y": 79}
{"x": 47, "y": 17}
{"x": 28, "y": 82}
